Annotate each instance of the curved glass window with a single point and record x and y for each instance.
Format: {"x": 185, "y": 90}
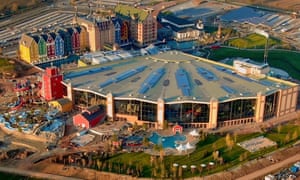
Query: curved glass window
{"x": 145, "y": 111}
{"x": 270, "y": 106}
{"x": 187, "y": 112}
{"x": 86, "y": 99}
{"x": 237, "y": 109}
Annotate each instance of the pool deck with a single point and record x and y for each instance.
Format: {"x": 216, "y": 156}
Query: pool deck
{"x": 171, "y": 151}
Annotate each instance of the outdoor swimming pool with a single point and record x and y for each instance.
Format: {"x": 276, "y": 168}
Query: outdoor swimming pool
{"x": 166, "y": 141}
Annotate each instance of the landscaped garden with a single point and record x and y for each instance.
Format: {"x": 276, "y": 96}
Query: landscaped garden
{"x": 214, "y": 153}
{"x": 286, "y": 60}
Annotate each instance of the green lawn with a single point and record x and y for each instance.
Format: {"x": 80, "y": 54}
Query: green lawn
{"x": 288, "y": 61}
{"x": 252, "y": 41}
{"x": 203, "y": 154}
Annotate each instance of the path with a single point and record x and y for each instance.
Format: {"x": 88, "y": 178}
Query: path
{"x": 35, "y": 174}
{"x": 271, "y": 168}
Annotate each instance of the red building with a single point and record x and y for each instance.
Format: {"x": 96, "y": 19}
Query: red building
{"x": 75, "y": 39}
{"x": 89, "y": 117}
{"x": 52, "y": 87}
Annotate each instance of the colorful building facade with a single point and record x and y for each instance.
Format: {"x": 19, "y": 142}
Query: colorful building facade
{"x": 89, "y": 117}
{"x": 142, "y": 25}
{"x": 59, "y": 44}
{"x": 52, "y": 87}
{"x": 28, "y": 49}
{"x": 34, "y": 48}
{"x": 100, "y": 31}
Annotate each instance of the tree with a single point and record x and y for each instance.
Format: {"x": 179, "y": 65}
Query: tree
{"x": 279, "y": 128}
{"x": 235, "y": 136}
{"x": 215, "y": 155}
{"x": 229, "y": 141}
{"x": 214, "y": 146}
{"x": 161, "y": 154}
{"x": 287, "y": 138}
{"x": 180, "y": 172}
{"x": 295, "y": 135}
{"x": 162, "y": 170}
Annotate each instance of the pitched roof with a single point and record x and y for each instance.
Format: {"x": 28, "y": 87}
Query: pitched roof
{"x": 93, "y": 112}
{"x": 36, "y": 38}
{"x": 53, "y": 35}
{"x": 131, "y": 12}
{"x": 63, "y": 101}
{"x": 26, "y": 40}
{"x": 44, "y": 36}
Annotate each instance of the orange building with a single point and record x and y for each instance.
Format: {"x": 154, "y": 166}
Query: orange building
{"x": 142, "y": 25}
{"x": 100, "y": 31}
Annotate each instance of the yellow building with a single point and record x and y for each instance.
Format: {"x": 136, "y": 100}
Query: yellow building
{"x": 83, "y": 38}
{"x": 28, "y": 49}
{"x": 63, "y": 104}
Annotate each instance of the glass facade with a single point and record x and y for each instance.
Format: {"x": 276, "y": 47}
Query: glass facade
{"x": 237, "y": 109}
{"x": 271, "y": 103}
{"x": 187, "y": 112}
{"x": 86, "y": 99}
{"x": 145, "y": 111}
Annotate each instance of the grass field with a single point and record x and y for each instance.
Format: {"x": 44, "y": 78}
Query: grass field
{"x": 288, "y": 61}
{"x": 252, "y": 41}
{"x": 204, "y": 153}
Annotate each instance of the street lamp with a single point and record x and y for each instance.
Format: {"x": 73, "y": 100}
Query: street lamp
{"x": 202, "y": 166}
{"x": 211, "y": 164}
{"x": 175, "y": 165}
{"x": 193, "y": 168}
{"x": 183, "y": 169}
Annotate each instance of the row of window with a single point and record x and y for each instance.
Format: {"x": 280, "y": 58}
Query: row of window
{"x": 183, "y": 112}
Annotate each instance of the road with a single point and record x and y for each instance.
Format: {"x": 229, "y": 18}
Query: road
{"x": 35, "y": 174}
{"x": 271, "y": 168}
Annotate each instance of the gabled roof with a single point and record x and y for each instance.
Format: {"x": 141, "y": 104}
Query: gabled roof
{"x": 26, "y": 40}
{"x": 53, "y": 35}
{"x": 131, "y": 12}
{"x": 36, "y": 38}
{"x": 70, "y": 30}
{"x": 93, "y": 112}
{"x": 44, "y": 36}
{"x": 63, "y": 101}
{"x": 78, "y": 29}
{"x": 116, "y": 20}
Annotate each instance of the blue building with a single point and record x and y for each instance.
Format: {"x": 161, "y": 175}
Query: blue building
{"x": 67, "y": 41}
{"x": 117, "y": 23}
{"x": 59, "y": 44}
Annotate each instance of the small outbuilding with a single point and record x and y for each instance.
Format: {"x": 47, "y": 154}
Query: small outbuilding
{"x": 90, "y": 117}
{"x": 63, "y": 104}
{"x": 177, "y": 128}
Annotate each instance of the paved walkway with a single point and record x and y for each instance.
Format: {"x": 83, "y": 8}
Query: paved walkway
{"x": 271, "y": 168}
{"x": 35, "y": 174}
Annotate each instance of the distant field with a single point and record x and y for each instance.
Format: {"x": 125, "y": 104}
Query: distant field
{"x": 288, "y": 61}
{"x": 252, "y": 41}
{"x": 293, "y": 5}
